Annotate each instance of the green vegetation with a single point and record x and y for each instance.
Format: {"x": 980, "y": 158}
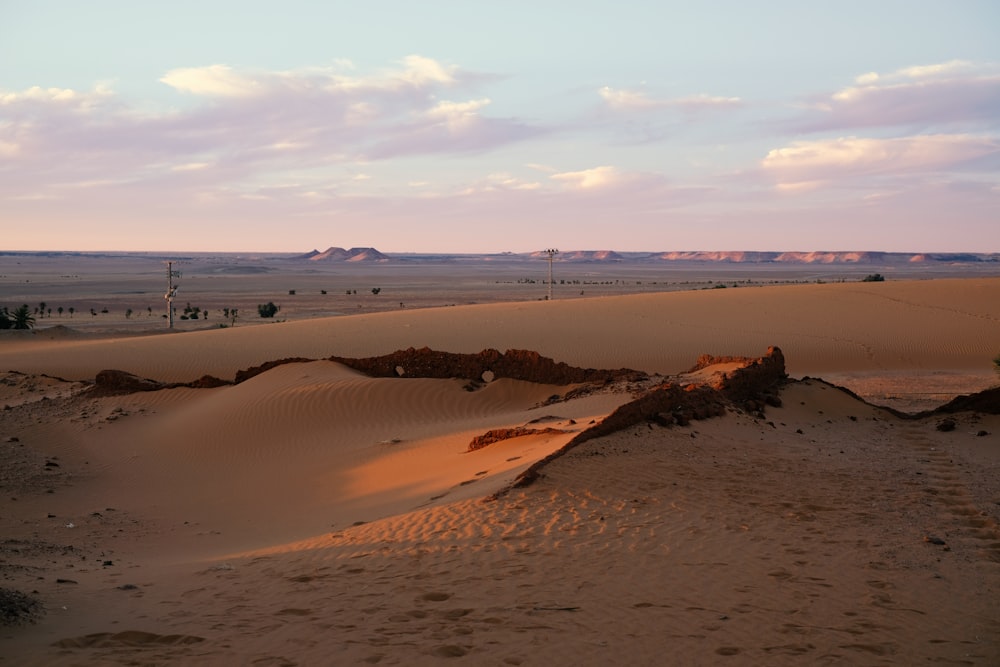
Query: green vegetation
{"x": 21, "y": 318}
{"x": 267, "y": 309}
{"x": 192, "y": 312}
{"x": 873, "y": 278}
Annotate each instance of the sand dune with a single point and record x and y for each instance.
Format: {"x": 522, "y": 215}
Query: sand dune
{"x": 932, "y": 324}
{"x": 315, "y": 515}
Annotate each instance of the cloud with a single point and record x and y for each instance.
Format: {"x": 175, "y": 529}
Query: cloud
{"x": 214, "y": 80}
{"x": 413, "y": 72}
{"x": 807, "y": 164}
{"x": 697, "y": 102}
{"x": 598, "y": 177}
{"x": 248, "y": 124}
{"x": 639, "y": 100}
{"x": 628, "y": 100}
{"x": 457, "y": 115}
{"x": 925, "y": 95}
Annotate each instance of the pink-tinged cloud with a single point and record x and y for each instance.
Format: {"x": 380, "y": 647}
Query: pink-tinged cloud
{"x": 639, "y": 100}
{"x": 252, "y": 123}
{"x": 598, "y": 177}
{"x": 414, "y": 72}
{"x": 955, "y": 92}
{"x": 806, "y": 165}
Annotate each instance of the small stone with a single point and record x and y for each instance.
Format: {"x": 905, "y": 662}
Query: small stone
{"x": 946, "y": 425}
{"x": 931, "y": 539}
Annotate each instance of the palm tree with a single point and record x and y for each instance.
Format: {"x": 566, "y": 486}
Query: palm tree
{"x": 5, "y": 321}
{"x": 23, "y": 318}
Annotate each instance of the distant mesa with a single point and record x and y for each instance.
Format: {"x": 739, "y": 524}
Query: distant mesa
{"x": 582, "y": 255}
{"x": 821, "y": 257}
{"x": 593, "y": 256}
{"x": 334, "y": 254}
{"x": 768, "y": 257}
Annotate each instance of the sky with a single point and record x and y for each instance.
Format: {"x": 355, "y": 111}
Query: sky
{"x": 468, "y": 126}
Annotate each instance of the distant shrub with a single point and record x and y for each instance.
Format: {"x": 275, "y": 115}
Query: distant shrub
{"x": 873, "y": 278}
{"x": 267, "y": 309}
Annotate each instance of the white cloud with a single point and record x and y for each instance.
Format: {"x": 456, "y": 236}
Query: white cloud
{"x": 639, "y": 100}
{"x": 413, "y": 72}
{"x": 213, "y": 81}
{"x": 808, "y": 164}
{"x": 420, "y": 71}
{"x": 707, "y": 101}
{"x": 255, "y": 123}
{"x": 544, "y": 168}
{"x": 37, "y": 93}
{"x": 628, "y": 100}
{"x": 586, "y": 179}
{"x": 952, "y": 92}
{"x": 457, "y": 114}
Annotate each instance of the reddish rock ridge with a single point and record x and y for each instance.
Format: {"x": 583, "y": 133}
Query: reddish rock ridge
{"x": 116, "y": 383}
{"x": 422, "y": 363}
{"x": 253, "y": 371}
{"x": 514, "y": 364}
{"x": 752, "y": 385}
{"x": 754, "y": 380}
{"x": 500, "y": 434}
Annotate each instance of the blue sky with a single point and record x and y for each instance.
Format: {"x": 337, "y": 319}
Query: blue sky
{"x": 486, "y": 127}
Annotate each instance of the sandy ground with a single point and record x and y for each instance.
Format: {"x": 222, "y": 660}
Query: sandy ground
{"x": 314, "y": 515}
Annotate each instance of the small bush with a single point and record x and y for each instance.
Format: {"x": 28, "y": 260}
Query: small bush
{"x": 873, "y": 278}
{"x": 267, "y": 309}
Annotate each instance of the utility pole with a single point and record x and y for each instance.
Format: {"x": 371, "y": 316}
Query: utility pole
{"x": 171, "y": 292}
{"x": 551, "y": 252}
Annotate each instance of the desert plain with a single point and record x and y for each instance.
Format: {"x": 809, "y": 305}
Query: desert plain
{"x": 316, "y": 512}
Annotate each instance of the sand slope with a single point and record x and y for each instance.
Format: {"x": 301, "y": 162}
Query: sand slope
{"x": 313, "y": 515}
{"x": 932, "y": 324}
{"x": 730, "y": 540}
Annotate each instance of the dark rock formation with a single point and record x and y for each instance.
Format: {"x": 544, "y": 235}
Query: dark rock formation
{"x": 670, "y": 404}
{"x": 754, "y": 380}
{"x": 986, "y": 401}
{"x": 514, "y": 364}
{"x": 253, "y": 371}
{"x": 114, "y": 382}
{"x": 207, "y": 382}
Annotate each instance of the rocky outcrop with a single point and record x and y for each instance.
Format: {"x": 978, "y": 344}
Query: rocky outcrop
{"x": 756, "y": 381}
{"x": 253, "y": 371}
{"x": 501, "y": 434}
{"x": 986, "y": 401}
{"x": 114, "y": 382}
{"x": 670, "y": 404}
{"x": 485, "y": 365}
